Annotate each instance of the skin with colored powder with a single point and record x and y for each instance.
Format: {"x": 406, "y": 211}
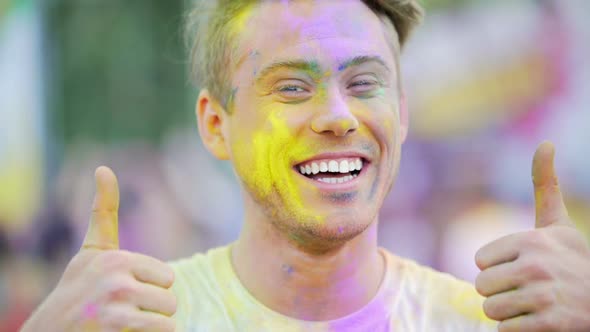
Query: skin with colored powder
{"x": 321, "y": 85}
{"x": 313, "y": 121}
{"x": 354, "y": 83}
{"x": 315, "y": 95}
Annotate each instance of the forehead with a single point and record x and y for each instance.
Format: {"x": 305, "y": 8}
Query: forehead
{"x": 328, "y": 31}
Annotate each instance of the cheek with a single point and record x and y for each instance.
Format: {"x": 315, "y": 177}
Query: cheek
{"x": 263, "y": 158}
{"x": 381, "y": 116}
{"x": 389, "y": 127}
{"x": 389, "y": 118}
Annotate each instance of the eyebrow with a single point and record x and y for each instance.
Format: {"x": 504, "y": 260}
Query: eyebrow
{"x": 314, "y": 68}
{"x": 303, "y": 65}
{"x": 361, "y": 59}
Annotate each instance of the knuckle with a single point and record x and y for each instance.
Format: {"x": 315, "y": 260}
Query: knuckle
{"x": 169, "y": 304}
{"x": 113, "y": 260}
{"x": 537, "y": 239}
{"x": 160, "y": 323}
{"x": 173, "y": 304}
{"x": 119, "y": 288}
{"x": 169, "y": 278}
{"x": 480, "y": 260}
{"x": 503, "y": 327}
{"x": 530, "y": 239}
{"x": 172, "y": 275}
{"x": 490, "y": 309}
{"x": 534, "y": 269}
{"x": 481, "y": 284}
{"x": 572, "y": 238}
{"x": 544, "y": 298}
{"x": 114, "y": 317}
{"x": 546, "y": 322}
{"x": 168, "y": 325}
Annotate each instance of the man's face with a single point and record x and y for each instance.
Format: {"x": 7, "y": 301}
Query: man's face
{"x": 314, "y": 88}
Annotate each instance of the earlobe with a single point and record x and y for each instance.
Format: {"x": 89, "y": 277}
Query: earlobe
{"x": 210, "y": 119}
{"x": 403, "y": 116}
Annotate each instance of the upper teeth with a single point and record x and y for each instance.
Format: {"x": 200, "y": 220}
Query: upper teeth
{"x": 332, "y": 166}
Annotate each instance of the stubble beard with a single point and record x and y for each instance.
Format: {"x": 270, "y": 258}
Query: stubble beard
{"x": 306, "y": 232}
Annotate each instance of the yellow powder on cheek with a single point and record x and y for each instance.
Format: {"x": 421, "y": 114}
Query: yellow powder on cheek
{"x": 272, "y": 152}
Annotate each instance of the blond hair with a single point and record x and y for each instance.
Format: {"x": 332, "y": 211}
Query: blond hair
{"x": 211, "y": 41}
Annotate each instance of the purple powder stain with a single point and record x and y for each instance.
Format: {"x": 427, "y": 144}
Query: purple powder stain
{"x": 90, "y": 311}
{"x": 288, "y": 269}
{"x": 252, "y": 55}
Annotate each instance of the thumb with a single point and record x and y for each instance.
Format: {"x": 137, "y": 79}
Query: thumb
{"x": 549, "y": 205}
{"x": 103, "y": 227}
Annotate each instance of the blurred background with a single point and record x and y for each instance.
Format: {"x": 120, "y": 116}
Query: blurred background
{"x": 91, "y": 82}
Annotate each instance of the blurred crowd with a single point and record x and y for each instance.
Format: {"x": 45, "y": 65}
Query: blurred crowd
{"x": 486, "y": 82}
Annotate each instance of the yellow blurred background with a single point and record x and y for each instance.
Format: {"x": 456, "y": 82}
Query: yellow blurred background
{"x": 91, "y": 82}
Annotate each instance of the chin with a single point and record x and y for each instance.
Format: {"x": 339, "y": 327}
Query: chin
{"x": 332, "y": 232}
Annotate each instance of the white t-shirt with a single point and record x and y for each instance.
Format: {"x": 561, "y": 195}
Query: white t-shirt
{"x": 411, "y": 298}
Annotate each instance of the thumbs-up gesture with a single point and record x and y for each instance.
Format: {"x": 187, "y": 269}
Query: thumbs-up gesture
{"x": 539, "y": 280}
{"x": 104, "y": 288}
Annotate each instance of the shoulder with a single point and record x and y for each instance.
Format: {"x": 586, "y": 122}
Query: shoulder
{"x": 419, "y": 278}
{"x": 197, "y": 286}
{"x": 441, "y": 298}
{"x": 199, "y": 271}
{"x": 200, "y": 265}
{"x": 189, "y": 273}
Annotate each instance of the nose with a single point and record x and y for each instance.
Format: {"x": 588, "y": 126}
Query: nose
{"x": 335, "y": 118}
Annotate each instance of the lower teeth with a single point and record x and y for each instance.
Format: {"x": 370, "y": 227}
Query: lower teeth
{"x": 337, "y": 180}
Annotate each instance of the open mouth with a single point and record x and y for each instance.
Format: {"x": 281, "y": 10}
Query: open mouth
{"x": 332, "y": 171}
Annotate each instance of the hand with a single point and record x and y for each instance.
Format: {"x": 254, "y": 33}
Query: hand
{"x": 539, "y": 280}
{"x": 104, "y": 288}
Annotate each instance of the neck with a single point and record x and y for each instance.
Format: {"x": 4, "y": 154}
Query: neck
{"x": 304, "y": 285}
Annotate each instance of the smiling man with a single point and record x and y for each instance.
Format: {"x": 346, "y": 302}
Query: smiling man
{"x": 307, "y": 104}
{"x": 305, "y": 99}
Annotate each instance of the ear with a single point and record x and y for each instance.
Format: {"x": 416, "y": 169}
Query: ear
{"x": 210, "y": 120}
{"x": 403, "y": 116}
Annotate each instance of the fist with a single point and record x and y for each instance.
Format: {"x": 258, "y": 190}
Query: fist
{"x": 538, "y": 280}
{"x": 104, "y": 288}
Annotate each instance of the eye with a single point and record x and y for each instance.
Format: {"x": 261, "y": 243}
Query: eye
{"x": 291, "y": 90}
{"x": 363, "y": 85}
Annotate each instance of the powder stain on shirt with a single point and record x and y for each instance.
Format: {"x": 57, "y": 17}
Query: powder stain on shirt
{"x": 411, "y": 298}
